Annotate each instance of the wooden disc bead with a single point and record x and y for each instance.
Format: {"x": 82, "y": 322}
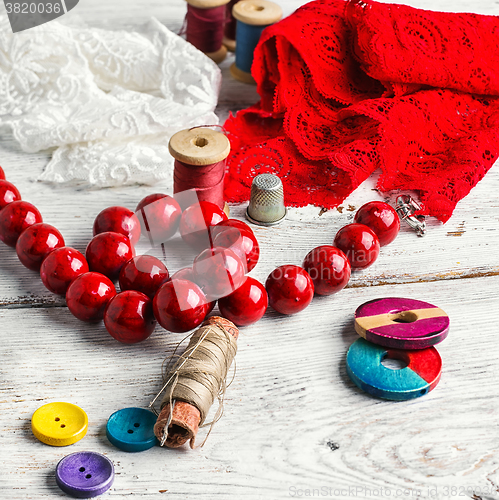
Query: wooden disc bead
{"x": 420, "y": 376}
{"x": 401, "y": 323}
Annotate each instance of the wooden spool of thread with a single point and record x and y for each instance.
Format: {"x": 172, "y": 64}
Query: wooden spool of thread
{"x": 198, "y": 377}
{"x": 229, "y": 39}
{"x": 253, "y": 16}
{"x": 205, "y": 21}
{"x": 200, "y": 155}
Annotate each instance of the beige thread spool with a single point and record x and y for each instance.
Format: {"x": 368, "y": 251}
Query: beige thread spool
{"x": 220, "y": 54}
{"x": 252, "y": 17}
{"x": 198, "y": 377}
{"x": 198, "y": 152}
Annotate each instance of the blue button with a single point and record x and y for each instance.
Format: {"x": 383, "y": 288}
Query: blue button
{"x": 132, "y": 429}
{"x": 84, "y": 474}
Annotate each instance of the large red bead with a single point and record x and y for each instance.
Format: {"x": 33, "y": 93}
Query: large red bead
{"x": 61, "y": 267}
{"x": 143, "y": 273}
{"x": 187, "y": 273}
{"x": 381, "y": 218}
{"x": 195, "y": 222}
{"x": 88, "y": 295}
{"x": 246, "y": 305}
{"x": 107, "y": 253}
{"x": 242, "y": 242}
{"x": 329, "y": 269}
{"x": 290, "y": 289}
{"x": 225, "y": 224}
{"x": 359, "y": 244}
{"x": 180, "y": 306}
{"x": 8, "y": 193}
{"x": 15, "y": 218}
{"x": 118, "y": 220}
{"x": 218, "y": 271}
{"x": 2, "y": 173}
{"x": 159, "y": 215}
{"x": 129, "y": 318}
{"x": 36, "y": 242}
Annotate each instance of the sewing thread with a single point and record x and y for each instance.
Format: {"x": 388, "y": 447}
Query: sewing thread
{"x": 205, "y": 27}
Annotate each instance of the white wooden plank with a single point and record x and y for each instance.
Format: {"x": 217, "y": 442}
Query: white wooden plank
{"x": 293, "y": 422}
{"x": 292, "y": 417}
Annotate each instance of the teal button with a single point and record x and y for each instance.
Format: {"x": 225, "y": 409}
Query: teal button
{"x": 132, "y": 429}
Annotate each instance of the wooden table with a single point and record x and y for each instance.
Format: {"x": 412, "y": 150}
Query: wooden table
{"x": 294, "y": 424}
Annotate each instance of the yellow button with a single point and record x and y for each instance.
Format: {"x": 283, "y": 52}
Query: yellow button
{"x": 59, "y": 424}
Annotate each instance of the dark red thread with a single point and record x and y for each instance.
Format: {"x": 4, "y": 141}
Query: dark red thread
{"x": 205, "y": 27}
{"x": 230, "y": 21}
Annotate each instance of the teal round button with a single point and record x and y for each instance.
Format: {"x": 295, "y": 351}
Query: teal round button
{"x": 132, "y": 429}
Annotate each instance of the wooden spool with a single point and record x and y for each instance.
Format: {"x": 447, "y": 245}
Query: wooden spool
{"x": 229, "y": 44}
{"x": 253, "y": 13}
{"x": 200, "y": 146}
{"x": 219, "y": 55}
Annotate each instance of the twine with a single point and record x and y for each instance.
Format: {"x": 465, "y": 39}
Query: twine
{"x": 200, "y": 373}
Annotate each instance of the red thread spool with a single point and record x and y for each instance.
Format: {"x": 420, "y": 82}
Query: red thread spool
{"x": 200, "y": 154}
{"x": 229, "y": 39}
{"x": 205, "y": 21}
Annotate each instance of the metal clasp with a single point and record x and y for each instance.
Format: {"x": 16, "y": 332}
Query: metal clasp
{"x": 406, "y": 207}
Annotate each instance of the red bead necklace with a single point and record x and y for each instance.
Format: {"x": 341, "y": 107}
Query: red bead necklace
{"x": 180, "y": 303}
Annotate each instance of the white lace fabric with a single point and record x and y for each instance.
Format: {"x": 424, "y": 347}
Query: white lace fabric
{"x": 108, "y": 101}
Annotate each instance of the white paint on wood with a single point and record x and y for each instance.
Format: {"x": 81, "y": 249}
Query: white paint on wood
{"x": 293, "y": 423}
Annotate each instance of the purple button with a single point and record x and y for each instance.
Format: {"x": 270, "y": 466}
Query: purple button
{"x": 84, "y": 474}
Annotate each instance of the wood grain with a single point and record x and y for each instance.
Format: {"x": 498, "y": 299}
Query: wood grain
{"x": 294, "y": 425}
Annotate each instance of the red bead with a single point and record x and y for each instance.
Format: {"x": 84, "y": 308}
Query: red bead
{"x": 185, "y": 273}
{"x": 218, "y": 271}
{"x": 61, "y": 267}
{"x": 15, "y": 218}
{"x": 195, "y": 222}
{"x": 329, "y": 269}
{"x": 381, "y": 218}
{"x": 129, "y": 318}
{"x": 188, "y": 274}
{"x": 246, "y": 305}
{"x": 242, "y": 242}
{"x": 107, "y": 253}
{"x": 160, "y": 216}
{"x": 180, "y": 306}
{"x": 8, "y": 193}
{"x": 88, "y": 295}
{"x": 359, "y": 244}
{"x": 143, "y": 273}
{"x": 2, "y": 173}
{"x": 118, "y": 220}
{"x": 290, "y": 289}
{"x": 36, "y": 242}
{"x": 225, "y": 224}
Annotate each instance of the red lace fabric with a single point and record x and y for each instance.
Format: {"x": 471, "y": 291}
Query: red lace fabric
{"x": 351, "y": 86}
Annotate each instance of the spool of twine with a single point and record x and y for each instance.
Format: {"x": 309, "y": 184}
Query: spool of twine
{"x": 252, "y": 16}
{"x": 200, "y": 156}
{"x": 198, "y": 378}
{"x": 229, "y": 39}
{"x": 205, "y": 25}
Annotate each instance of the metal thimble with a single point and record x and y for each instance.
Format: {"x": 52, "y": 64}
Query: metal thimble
{"x": 266, "y": 207}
